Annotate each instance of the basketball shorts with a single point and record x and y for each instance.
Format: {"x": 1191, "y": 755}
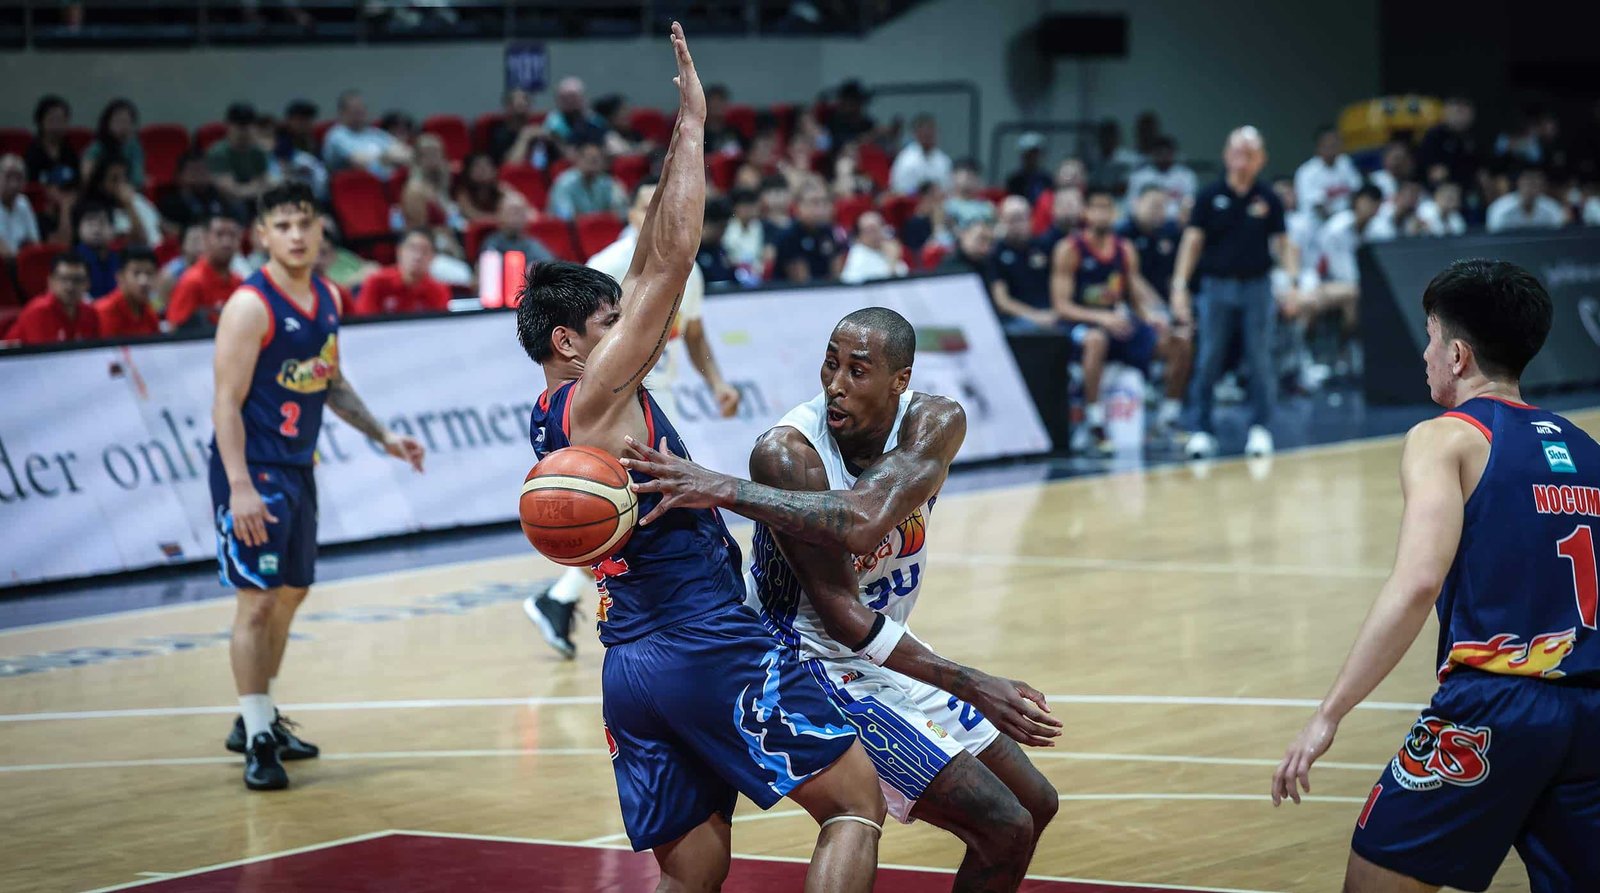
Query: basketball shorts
{"x": 1137, "y": 350}
{"x": 910, "y": 729}
{"x": 700, "y": 712}
{"x": 289, "y": 556}
{"x": 1495, "y": 762}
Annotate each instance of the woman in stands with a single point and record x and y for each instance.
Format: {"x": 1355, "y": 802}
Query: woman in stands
{"x": 117, "y": 134}
{"x": 133, "y": 217}
{"x": 479, "y": 189}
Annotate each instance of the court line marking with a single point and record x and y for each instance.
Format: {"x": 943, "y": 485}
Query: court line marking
{"x": 485, "y": 753}
{"x": 1166, "y": 567}
{"x": 893, "y": 866}
{"x": 249, "y": 860}
{"x": 440, "y": 703}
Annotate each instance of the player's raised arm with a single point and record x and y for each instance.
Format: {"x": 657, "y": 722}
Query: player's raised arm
{"x": 240, "y": 330}
{"x": 1430, "y": 532}
{"x": 668, "y": 241}
{"x": 855, "y": 520}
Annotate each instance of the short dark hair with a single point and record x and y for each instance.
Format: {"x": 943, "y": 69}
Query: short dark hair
{"x": 744, "y": 197}
{"x": 607, "y": 105}
{"x": 717, "y": 90}
{"x": 718, "y": 210}
{"x": 346, "y": 96}
{"x": 899, "y": 338}
{"x": 290, "y": 192}
{"x": 45, "y": 104}
{"x": 1163, "y": 142}
{"x": 89, "y": 205}
{"x": 1099, "y": 189}
{"x": 241, "y": 113}
{"x": 559, "y": 293}
{"x": 300, "y": 108}
{"x": 67, "y": 259}
{"x": 1323, "y": 130}
{"x": 189, "y": 156}
{"x": 1368, "y": 190}
{"x": 585, "y": 141}
{"x": 968, "y": 164}
{"x": 1497, "y": 307}
{"x": 137, "y": 254}
{"x": 102, "y": 128}
{"x": 773, "y": 181}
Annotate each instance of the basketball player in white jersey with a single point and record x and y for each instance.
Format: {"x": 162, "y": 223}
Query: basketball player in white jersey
{"x": 553, "y": 610}
{"x": 835, "y": 575}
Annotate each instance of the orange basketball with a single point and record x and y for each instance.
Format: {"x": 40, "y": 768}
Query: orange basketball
{"x": 576, "y": 506}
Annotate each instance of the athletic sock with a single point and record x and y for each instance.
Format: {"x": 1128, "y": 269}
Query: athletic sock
{"x": 1095, "y": 415}
{"x": 257, "y": 712}
{"x": 573, "y": 585}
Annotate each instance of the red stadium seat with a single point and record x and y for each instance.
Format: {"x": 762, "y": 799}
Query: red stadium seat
{"x": 8, "y": 315}
{"x": 163, "y": 145}
{"x": 996, "y": 194}
{"x": 79, "y": 138}
{"x": 361, "y": 203}
{"x": 723, "y": 168}
{"x": 39, "y": 196}
{"x": 33, "y": 268}
{"x": 743, "y": 119}
{"x": 208, "y": 133}
{"x": 933, "y": 254}
{"x": 14, "y": 140}
{"x": 452, "y": 131}
{"x": 557, "y": 167}
{"x": 652, "y": 124}
{"x": 596, "y": 231}
{"x": 630, "y": 169}
{"x": 482, "y": 127}
{"x": 9, "y": 299}
{"x": 528, "y": 180}
{"x": 784, "y": 114}
{"x": 875, "y": 164}
{"x": 477, "y": 231}
{"x": 897, "y": 209}
{"x": 848, "y": 209}
{"x": 396, "y": 183}
{"x": 556, "y": 236}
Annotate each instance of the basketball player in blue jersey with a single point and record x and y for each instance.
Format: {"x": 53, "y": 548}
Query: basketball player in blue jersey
{"x": 700, "y": 704}
{"x": 836, "y": 575}
{"x": 277, "y": 365}
{"x": 1501, "y": 503}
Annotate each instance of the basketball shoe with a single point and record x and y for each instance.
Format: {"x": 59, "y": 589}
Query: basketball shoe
{"x": 554, "y": 619}
{"x": 263, "y": 771}
{"x": 290, "y": 746}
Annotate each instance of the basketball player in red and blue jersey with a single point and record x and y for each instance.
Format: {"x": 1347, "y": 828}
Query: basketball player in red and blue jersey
{"x": 276, "y": 366}
{"x": 1501, "y": 503}
{"x": 700, "y": 703}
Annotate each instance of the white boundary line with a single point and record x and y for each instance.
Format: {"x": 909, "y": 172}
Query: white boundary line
{"x": 1165, "y": 567}
{"x": 246, "y": 861}
{"x": 442, "y": 703}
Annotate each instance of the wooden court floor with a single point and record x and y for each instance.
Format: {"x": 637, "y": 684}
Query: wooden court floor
{"x": 1182, "y": 620}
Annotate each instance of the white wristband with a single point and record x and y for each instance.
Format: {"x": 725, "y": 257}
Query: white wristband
{"x": 882, "y": 644}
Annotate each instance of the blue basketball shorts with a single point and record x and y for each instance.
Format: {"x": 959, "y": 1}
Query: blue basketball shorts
{"x": 1495, "y": 762}
{"x": 289, "y": 556}
{"x": 703, "y": 711}
{"x": 1137, "y": 350}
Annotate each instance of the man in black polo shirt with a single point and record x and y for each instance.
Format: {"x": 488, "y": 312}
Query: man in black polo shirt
{"x": 808, "y": 251}
{"x": 1019, "y": 273}
{"x": 1236, "y": 226}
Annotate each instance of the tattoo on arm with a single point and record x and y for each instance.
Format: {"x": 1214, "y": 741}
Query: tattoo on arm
{"x": 348, "y": 405}
{"x": 655, "y": 354}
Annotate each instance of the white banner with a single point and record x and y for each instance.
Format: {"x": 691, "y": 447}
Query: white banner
{"x": 103, "y": 451}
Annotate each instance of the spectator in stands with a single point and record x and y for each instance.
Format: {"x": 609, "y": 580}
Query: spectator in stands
{"x": 1155, "y": 236}
{"x": 1442, "y": 213}
{"x": 745, "y": 239}
{"x": 874, "y": 254}
{"x": 1530, "y": 139}
{"x": 204, "y": 287}
{"x": 1236, "y": 226}
{"x": 191, "y": 245}
{"x": 1397, "y": 167}
{"x": 586, "y": 187}
{"x": 1448, "y": 151}
{"x": 573, "y": 122}
{"x": 1030, "y": 180}
{"x": 776, "y": 197}
{"x": 967, "y": 200}
{"x": 63, "y": 313}
{"x": 1337, "y": 242}
{"x": 407, "y": 286}
{"x": 1165, "y": 172}
{"x": 712, "y": 258}
{"x": 921, "y": 160}
{"x": 117, "y": 134}
{"x": 238, "y": 165}
{"x": 127, "y": 311}
{"x": 809, "y": 250}
{"x": 91, "y": 225}
{"x": 1019, "y": 273}
{"x": 1146, "y": 130}
{"x": 51, "y": 160}
{"x": 849, "y": 121}
{"x": 621, "y": 138}
{"x": 763, "y": 154}
{"x": 1070, "y": 174}
{"x": 974, "y": 244}
{"x": 18, "y": 225}
{"x": 343, "y": 267}
{"x": 401, "y": 126}
{"x": 479, "y": 190}
{"x": 425, "y": 201}
{"x": 720, "y": 135}
{"x": 354, "y": 142}
{"x": 518, "y": 138}
{"x": 1528, "y": 207}
{"x": 1299, "y": 225}
{"x": 1398, "y": 218}
{"x": 133, "y": 217}
{"x": 1066, "y": 213}
{"x": 798, "y": 164}
{"x": 194, "y": 198}
{"x": 848, "y": 180}
{"x": 1113, "y": 160}
{"x": 511, "y": 231}
{"x": 294, "y": 147}
{"x": 1327, "y": 179}
{"x": 928, "y": 221}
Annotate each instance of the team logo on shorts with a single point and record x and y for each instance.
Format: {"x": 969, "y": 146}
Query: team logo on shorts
{"x": 1559, "y": 457}
{"x": 268, "y": 563}
{"x": 611, "y": 743}
{"x": 937, "y": 729}
{"x": 1437, "y": 751}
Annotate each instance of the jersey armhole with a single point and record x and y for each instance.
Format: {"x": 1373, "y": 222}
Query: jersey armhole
{"x": 272, "y": 322}
{"x": 1482, "y": 428}
{"x": 335, "y": 294}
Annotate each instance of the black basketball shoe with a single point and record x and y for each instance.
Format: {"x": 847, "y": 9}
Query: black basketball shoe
{"x": 290, "y": 747}
{"x": 262, "y": 769}
{"x": 554, "y": 620}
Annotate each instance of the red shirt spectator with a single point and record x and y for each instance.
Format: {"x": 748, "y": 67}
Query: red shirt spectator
{"x": 47, "y": 320}
{"x": 126, "y": 311}
{"x": 405, "y": 287}
{"x": 205, "y": 286}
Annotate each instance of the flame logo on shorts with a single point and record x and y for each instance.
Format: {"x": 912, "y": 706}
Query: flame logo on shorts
{"x": 1439, "y": 751}
{"x": 1503, "y": 654}
{"x": 311, "y": 375}
{"x": 913, "y": 534}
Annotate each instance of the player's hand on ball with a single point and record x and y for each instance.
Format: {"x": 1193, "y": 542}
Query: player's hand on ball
{"x": 691, "y": 97}
{"x": 1016, "y": 708}
{"x": 727, "y": 400}
{"x": 681, "y": 483}
{"x": 250, "y": 515}
{"x": 404, "y": 448}
{"x": 1313, "y": 741}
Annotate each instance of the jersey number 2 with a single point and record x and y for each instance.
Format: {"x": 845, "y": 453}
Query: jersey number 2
{"x": 1578, "y": 548}
{"x": 291, "y": 419}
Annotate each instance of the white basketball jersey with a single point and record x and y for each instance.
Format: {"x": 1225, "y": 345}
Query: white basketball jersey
{"x": 889, "y": 577}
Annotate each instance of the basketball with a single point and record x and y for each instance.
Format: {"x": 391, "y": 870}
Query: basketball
{"x": 576, "y": 506}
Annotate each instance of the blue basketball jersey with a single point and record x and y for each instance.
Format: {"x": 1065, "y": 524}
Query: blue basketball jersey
{"x": 1101, "y": 280}
{"x": 683, "y": 565}
{"x": 1521, "y": 597}
{"x": 299, "y": 358}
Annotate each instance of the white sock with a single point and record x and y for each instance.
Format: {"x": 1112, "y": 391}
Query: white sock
{"x": 1095, "y": 415}
{"x": 1171, "y": 408}
{"x": 257, "y": 712}
{"x": 573, "y": 585}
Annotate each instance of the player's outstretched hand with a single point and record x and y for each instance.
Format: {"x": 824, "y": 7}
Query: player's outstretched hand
{"x": 727, "y": 400}
{"x": 681, "y": 483}
{"x": 406, "y": 449}
{"x": 1015, "y": 708}
{"x": 1294, "y": 773}
{"x": 250, "y": 516}
{"x": 691, "y": 96}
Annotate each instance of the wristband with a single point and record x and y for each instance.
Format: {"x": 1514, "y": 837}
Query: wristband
{"x": 886, "y": 634}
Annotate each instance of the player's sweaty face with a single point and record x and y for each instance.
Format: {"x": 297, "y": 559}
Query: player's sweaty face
{"x": 291, "y": 235}
{"x": 858, "y": 381}
{"x": 594, "y": 328}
